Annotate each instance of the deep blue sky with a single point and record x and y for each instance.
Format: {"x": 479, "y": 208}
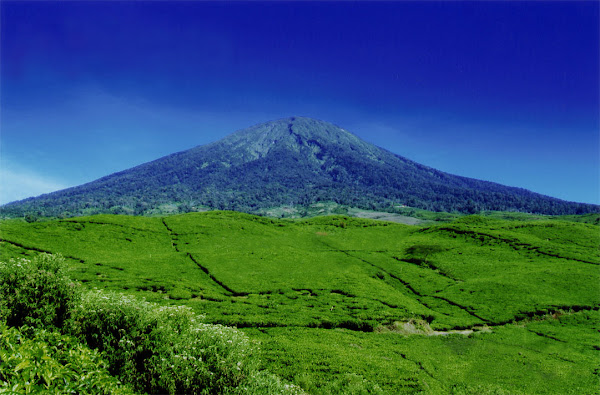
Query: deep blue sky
{"x": 501, "y": 91}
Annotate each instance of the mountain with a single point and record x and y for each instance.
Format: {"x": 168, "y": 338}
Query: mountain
{"x": 291, "y": 161}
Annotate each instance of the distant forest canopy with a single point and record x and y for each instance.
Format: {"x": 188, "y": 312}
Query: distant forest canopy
{"x": 165, "y": 201}
{"x": 293, "y": 161}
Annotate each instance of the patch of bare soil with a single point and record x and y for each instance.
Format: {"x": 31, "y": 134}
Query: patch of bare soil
{"x": 402, "y": 219}
{"x": 421, "y": 327}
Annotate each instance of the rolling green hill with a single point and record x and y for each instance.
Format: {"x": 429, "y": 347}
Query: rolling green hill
{"x": 295, "y": 162}
{"x": 477, "y": 305}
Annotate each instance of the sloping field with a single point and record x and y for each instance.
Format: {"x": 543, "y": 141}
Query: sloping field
{"x": 330, "y": 298}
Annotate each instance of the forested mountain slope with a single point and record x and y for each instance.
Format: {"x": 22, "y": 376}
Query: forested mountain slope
{"x": 292, "y": 161}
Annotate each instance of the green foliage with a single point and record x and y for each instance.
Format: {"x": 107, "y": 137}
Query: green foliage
{"x": 264, "y": 383}
{"x": 180, "y": 293}
{"x": 521, "y": 358}
{"x": 348, "y": 383}
{"x": 35, "y": 292}
{"x": 317, "y": 293}
{"x": 162, "y": 349}
{"x": 41, "y": 361}
{"x": 421, "y": 253}
{"x": 155, "y": 349}
{"x": 30, "y": 218}
{"x": 243, "y": 270}
{"x": 325, "y": 361}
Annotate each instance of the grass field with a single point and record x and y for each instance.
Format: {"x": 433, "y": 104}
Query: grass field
{"x": 344, "y": 304}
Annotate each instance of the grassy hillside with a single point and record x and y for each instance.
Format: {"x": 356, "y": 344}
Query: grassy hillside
{"x": 341, "y": 303}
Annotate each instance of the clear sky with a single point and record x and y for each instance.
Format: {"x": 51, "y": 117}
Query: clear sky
{"x": 500, "y": 91}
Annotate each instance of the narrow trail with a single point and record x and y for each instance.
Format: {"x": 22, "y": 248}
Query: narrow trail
{"x": 213, "y": 278}
{"x": 14, "y": 243}
{"x": 22, "y": 246}
{"x": 417, "y": 294}
{"x": 545, "y": 335}
{"x": 432, "y": 267}
{"x": 172, "y": 235}
{"x": 460, "y": 307}
{"x": 514, "y": 244}
{"x": 467, "y": 330}
{"x": 531, "y": 317}
{"x": 420, "y": 366}
{"x": 81, "y": 222}
{"x": 174, "y": 243}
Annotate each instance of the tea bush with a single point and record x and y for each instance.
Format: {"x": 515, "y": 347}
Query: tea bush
{"x": 346, "y": 383}
{"x": 59, "y": 339}
{"x": 35, "y": 292}
{"x": 162, "y": 349}
{"x": 49, "y": 362}
{"x": 309, "y": 290}
{"x": 180, "y": 294}
{"x": 262, "y": 383}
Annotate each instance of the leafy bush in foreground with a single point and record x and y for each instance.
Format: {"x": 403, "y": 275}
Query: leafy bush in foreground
{"x": 162, "y": 349}
{"x": 262, "y": 383}
{"x": 35, "y": 292}
{"x": 50, "y": 362}
{"x": 155, "y": 349}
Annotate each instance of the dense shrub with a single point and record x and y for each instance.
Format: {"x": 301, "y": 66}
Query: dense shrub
{"x": 348, "y": 383}
{"x": 35, "y": 292}
{"x": 465, "y": 389}
{"x": 162, "y": 349}
{"x": 57, "y": 339}
{"x": 261, "y": 383}
{"x": 179, "y": 294}
{"x": 49, "y": 362}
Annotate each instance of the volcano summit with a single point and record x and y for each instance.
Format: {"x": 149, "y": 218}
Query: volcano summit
{"x": 290, "y": 161}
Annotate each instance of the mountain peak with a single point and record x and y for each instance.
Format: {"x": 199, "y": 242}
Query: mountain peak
{"x": 289, "y": 161}
{"x": 297, "y": 134}
{"x": 306, "y": 128}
